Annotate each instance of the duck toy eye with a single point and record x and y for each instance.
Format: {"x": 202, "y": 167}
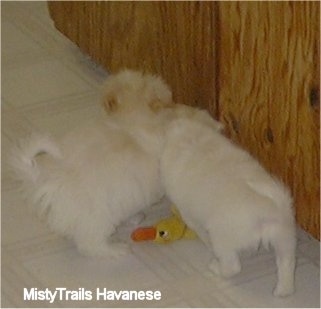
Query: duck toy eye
{"x": 163, "y": 234}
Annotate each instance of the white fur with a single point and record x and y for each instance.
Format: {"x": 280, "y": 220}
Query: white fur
{"x": 101, "y": 178}
{"x": 221, "y": 189}
{"x": 100, "y": 173}
{"x": 134, "y": 91}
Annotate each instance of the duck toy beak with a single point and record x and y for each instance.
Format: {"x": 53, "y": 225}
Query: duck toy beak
{"x": 144, "y": 233}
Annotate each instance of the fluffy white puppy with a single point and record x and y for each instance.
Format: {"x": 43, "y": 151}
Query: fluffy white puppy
{"x": 222, "y": 190}
{"x": 100, "y": 173}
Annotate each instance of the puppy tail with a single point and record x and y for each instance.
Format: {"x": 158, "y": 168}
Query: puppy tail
{"x": 22, "y": 156}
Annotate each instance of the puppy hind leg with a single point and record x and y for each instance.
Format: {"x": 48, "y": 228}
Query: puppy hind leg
{"x": 226, "y": 262}
{"x": 226, "y": 265}
{"x": 284, "y": 243}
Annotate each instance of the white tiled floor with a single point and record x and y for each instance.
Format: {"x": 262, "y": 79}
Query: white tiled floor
{"x": 49, "y": 84}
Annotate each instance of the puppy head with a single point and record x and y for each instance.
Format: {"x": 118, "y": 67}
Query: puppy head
{"x": 131, "y": 90}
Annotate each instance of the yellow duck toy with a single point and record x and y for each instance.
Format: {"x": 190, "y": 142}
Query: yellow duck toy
{"x": 165, "y": 231}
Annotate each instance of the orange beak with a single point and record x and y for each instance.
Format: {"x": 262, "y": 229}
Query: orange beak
{"x": 144, "y": 233}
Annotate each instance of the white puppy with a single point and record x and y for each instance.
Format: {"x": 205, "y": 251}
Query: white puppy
{"x": 221, "y": 189}
{"x": 102, "y": 173}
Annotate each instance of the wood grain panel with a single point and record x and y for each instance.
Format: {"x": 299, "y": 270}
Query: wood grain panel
{"x": 174, "y": 39}
{"x": 268, "y": 62}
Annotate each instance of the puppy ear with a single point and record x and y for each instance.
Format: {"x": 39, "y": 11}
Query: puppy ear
{"x": 110, "y": 104}
{"x": 157, "y": 105}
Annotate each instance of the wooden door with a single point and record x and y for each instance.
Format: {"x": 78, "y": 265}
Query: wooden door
{"x": 268, "y": 88}
{"x": 255, "y": 65}
{"x": 173, "y": 39}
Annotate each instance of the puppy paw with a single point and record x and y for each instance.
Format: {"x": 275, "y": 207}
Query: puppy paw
{"x": 230, "y": 270}
{"x": 224, "y": 269}
{"x": 282, "y": 291}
